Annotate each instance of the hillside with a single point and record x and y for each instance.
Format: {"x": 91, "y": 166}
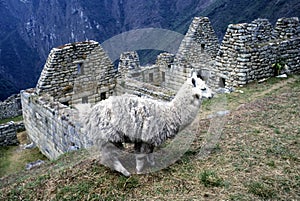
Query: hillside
{"x": 31, "y": 28}
{"x": 256, "y": 158}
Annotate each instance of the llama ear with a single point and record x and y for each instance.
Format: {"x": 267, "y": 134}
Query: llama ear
{"x": 194, "y": 74}
{"x": 194, "y": 82}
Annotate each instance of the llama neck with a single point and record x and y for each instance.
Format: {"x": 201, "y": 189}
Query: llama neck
{"x": 185, "y": 106}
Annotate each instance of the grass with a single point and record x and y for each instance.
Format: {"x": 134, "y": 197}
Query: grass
{"x": 15, "y": 119}
{"x": 13, "y": 159}
{"x": 261, "y": 190}
{"x": 210, "y": 179}
{"x": 256, "y": 158}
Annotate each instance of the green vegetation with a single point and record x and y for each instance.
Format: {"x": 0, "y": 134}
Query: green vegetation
{"x": 278, "y": 66}
{"x": 257, "y": 158}
{"x": 15, "y": 119}
{"x": 210, "y": 179}
{"x": 262, "y": 190}
{"x": 13, "y": 159}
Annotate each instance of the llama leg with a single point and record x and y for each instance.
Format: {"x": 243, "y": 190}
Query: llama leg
{"x": 110, "y": 158}
{"x": 140, "y": 157}
{"x": 120, "y": 168}
{"x": 150, "y": 155}
{"x": 144, "y": 153}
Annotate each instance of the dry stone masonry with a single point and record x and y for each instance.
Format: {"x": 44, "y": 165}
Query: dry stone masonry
{"x": 199, "y": 38}
{"x": 249, "y": 51}
{"x": 129, "y": 64}
{"x": 196, "y": 52}
{"x": 50, "y": 125}
{"x": 83, "y": 73}
{"x": 8, "y": 133}
{"x": 77, "y": 72}
{"x": 11, "y": 107}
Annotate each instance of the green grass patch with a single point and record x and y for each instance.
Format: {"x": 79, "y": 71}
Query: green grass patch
{"x": 13, "y": 159}
{"x": 210, "y": 179}
{"x": 15, "y": 119}
{"x": 262, "y": 190}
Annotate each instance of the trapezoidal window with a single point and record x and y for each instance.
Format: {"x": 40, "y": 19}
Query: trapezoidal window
{"x": 102, "y": 96}
{"x": 80, "y": 69}
{"x": 202, "y": 48}
{"x": 222, "y": 82}
{"x": 150, "y": 77}
{"x": 163, "y": 76}
{"x": 85, "y": 100}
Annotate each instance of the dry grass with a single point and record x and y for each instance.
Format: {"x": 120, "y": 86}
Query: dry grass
{"x": 256, "y": 158}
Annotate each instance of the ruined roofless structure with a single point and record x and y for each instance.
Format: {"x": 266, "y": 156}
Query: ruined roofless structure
{"x": 83, "y": 73}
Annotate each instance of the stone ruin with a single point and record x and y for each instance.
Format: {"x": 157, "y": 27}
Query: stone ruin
{"x": 83, "y": 73}
{"x": 248, "y": 51}
{"x": 11, "y": 107}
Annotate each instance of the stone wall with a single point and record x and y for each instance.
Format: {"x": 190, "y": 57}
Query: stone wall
{"x": 199, "y": 38}
{"x": 164, "y": 62}
{"x": 50, "y": 125}
{"x": 129, "y": 67}
{"x": 196, "y": 52}
{"x": 8, "y": 133}
{"x": 11, "y": 107}
{"x": 77, "y": 72}
{"x": 248, "y": 51}
{"x": 143, "y": 89}
{"x": 129, "y": 64}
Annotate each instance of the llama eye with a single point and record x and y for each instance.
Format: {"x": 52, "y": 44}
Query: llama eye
{"x": 197, "y": 96}
{"x": 203, "y": 89}
{"x": 194, "y": 82}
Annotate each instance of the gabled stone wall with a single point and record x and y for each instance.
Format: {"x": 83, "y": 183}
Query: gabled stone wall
{"x": 77, "y": 72}
{"x": 199, "y": 38}
{"x": 196, "y": 52}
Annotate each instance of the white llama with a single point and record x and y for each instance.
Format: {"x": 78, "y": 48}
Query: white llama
{"x": 145, "y": 122}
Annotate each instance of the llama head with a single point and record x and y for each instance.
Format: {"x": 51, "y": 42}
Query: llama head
{"x": 199, "y": 87}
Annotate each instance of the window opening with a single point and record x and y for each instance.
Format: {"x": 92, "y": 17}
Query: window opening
{"x": 163, "y": 76}
{"x": 150, "y": 77}
{"x": 85, "y": 100}
{"x": 102, "y": 96}
{"x": 222, "y": 82}
{"x": 202, "y": 48}
{"x": 80, "y": 69}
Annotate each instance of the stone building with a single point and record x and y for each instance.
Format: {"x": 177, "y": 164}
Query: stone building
{"x": 248, "y": 51}
{"x": 77, "y": 73}
{"x": 11, "y": 107}
{"x": 196, "y": 52}
{"x": 83, "y": 73}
